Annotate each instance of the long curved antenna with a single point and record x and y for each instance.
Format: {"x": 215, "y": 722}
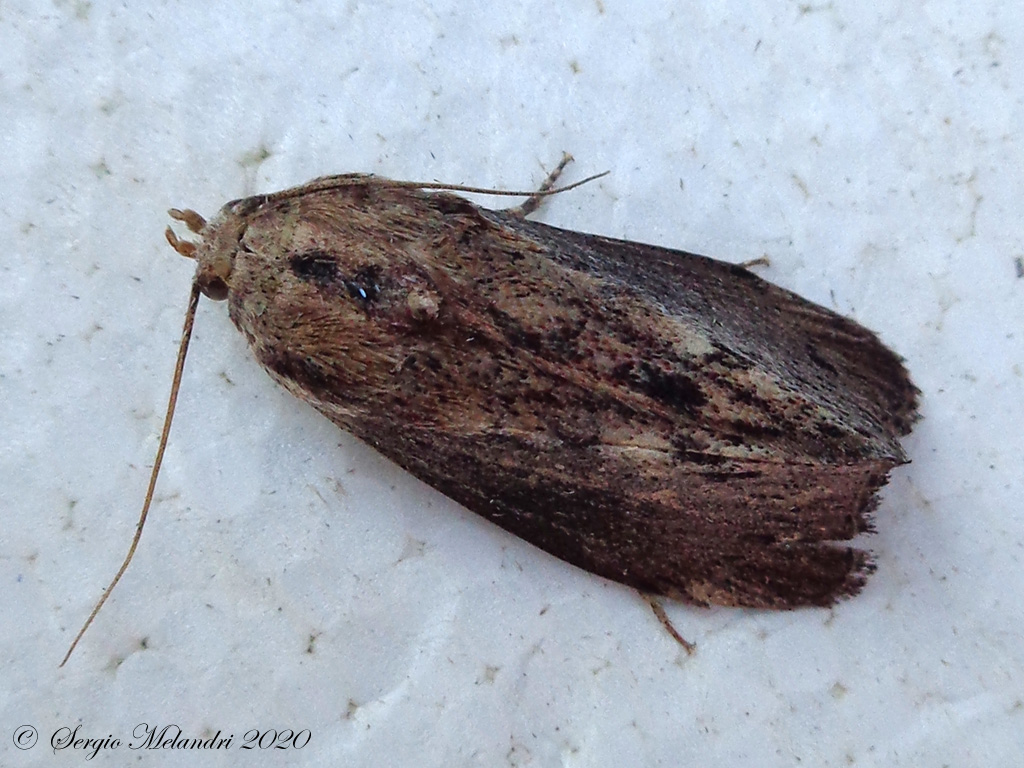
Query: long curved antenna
{"x": 179, "y": 368}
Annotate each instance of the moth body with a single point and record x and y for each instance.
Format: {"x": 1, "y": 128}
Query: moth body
{"x": 659, "y": 418}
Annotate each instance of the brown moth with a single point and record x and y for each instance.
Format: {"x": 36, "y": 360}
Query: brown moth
{"x": 656, "y": 417}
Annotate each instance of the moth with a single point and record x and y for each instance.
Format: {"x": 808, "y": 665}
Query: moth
{"x": 659, "y": 418}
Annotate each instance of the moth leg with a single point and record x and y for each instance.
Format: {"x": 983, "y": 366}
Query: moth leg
{"x": 533, "y": 202}
{"x": 763, "y": 261}
{"x": 659, "y": 611}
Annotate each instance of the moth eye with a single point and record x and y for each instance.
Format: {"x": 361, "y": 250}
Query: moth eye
{"x": 213, "y": 272}
{"x": 213, "y": 287}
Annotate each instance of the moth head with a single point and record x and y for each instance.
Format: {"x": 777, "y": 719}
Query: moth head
{"x": 214, "y": 253}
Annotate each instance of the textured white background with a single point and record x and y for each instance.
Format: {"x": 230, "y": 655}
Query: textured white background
{"x": 291, "y": 578}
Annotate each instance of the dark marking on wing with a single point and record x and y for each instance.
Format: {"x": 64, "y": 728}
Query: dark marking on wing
{"x": 318, "y": 267}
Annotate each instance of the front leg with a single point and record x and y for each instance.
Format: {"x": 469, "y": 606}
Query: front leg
{"x": 533, "y": 201}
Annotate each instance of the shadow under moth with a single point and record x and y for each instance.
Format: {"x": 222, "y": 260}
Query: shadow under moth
{"x": 655, "y": 417}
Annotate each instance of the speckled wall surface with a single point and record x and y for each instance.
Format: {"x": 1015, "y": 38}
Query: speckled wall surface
{"x": 290, "y": 578}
